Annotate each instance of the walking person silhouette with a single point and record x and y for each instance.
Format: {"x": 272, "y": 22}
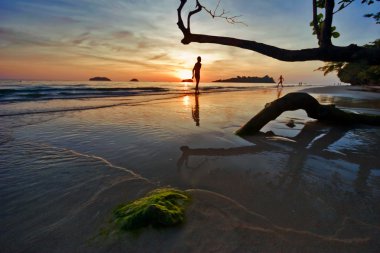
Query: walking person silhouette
{"x": 280, "y": 81}
{"x": 197, "y": 73}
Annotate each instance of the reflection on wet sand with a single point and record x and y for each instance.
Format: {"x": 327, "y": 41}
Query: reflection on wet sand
{"x": 195, "y": 110}
{"x": 186, "y": 100}
{"x": 279, "y": 92}
{"x": 349, "y": 102}
{"x": 315, "y": 190}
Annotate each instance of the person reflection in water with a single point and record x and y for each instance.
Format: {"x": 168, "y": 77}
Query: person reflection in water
{"x": 195, "y": 111}
{"x": 197, "y": 73}
{"x": 279, "y": 92}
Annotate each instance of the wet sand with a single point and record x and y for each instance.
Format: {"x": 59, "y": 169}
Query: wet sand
{"x": 312, "y": 188}
{"x": 357, "y": 92}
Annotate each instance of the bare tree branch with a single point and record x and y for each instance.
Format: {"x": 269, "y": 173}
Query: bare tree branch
{"x": 223, "y": 15}
{"x": 191, "y": 13}
{"x": 343, "y": 6}
{"x": 180, "y": 24}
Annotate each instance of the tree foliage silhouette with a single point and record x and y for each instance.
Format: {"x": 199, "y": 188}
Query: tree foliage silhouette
{"x": 355, "y": 73}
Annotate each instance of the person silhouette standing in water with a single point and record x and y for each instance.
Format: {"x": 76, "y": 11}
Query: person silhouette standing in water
{"x": 197, "y": 73}
{"x": 280, "y": 81}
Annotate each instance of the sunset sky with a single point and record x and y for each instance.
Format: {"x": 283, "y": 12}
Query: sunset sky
{"x": 124, "y": 39}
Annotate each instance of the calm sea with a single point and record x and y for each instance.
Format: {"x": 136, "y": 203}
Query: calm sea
{"x": 14, "y": 93}
{"x": 11, "y": 91}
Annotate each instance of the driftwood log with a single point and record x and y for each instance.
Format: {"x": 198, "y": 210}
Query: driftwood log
{"x": 296, "y": 101}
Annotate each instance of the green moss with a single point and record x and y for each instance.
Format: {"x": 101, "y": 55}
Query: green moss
{"x": 159, "y": 208}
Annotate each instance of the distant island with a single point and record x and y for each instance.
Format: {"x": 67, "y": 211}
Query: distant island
{"x": 99, "y": 78}
{"x": 134, "y": 80}
{"x": 187, "y": 80}
{"x": 247, "y": 79}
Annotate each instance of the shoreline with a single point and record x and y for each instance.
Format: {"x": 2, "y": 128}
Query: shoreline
{"x": 356, "y": 92}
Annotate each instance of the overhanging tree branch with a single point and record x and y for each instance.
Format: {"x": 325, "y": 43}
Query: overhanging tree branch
{"x": 327, "y": 52}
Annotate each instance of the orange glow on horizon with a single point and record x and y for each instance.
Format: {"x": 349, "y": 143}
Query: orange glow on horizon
{"x": 32, "y": 67}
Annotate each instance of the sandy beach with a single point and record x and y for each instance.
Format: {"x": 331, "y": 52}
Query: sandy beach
{"x": 311, "y": 188}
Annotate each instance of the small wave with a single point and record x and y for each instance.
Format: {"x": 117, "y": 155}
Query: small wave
{"x": 35, "y": 91}
{"x": 75, "y": 92}
{"x": 81, "y": 107}
{"x": 5, "y": 138}
{"x": 18, "y": 99}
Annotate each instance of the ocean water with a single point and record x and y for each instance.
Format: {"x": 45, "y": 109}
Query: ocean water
{"x": 72, "y": 151}
{"x": 25, "y": 91}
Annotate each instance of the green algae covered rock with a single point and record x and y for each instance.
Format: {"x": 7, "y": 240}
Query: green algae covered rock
{"x": 159, "y": 208}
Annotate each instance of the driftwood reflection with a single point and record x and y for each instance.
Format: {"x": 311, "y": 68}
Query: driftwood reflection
{"x": 314, "y": 140}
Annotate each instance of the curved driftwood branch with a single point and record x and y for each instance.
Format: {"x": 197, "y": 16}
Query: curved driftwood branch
{"x": 296, "y": 101}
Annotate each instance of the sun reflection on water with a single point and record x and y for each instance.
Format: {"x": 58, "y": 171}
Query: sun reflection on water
{"x": 186, "y": 100}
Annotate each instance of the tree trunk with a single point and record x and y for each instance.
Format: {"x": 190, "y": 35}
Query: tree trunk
{"x": 296, "y": 101}
{"x": 327, "y": 24}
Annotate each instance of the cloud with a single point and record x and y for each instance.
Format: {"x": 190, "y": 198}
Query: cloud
{"x": 159, "y": 56}
{"x": 14, "y": 38}
{"x": 81, "y": 38}
{"x": 123, "y": 34}
{"x": 68, "y": 20}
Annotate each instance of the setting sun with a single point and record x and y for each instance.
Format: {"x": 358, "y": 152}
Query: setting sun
{"x": 184, "y": 74}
